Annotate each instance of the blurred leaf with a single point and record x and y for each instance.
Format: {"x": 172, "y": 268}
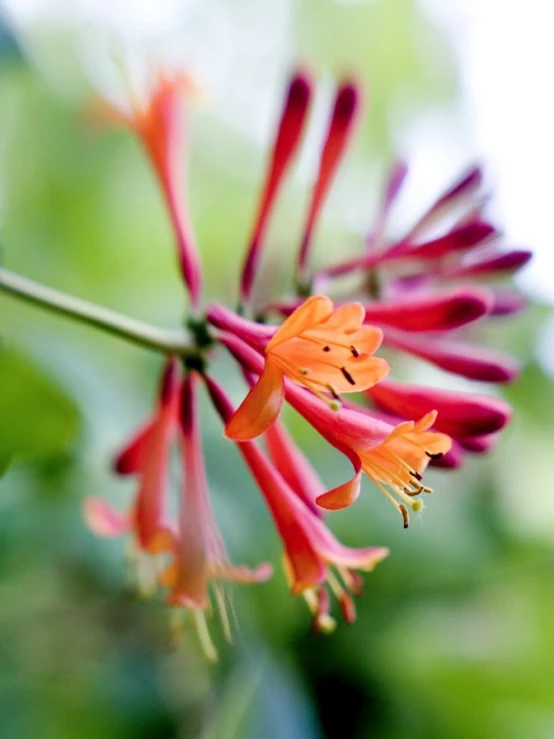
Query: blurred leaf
{"x": 5, "y": 461}
{"x": 38, "y": 419}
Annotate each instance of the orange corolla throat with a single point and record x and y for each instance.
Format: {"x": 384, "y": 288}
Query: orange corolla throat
{"x": 327, "y": 350}
{"x": 396, "y": 465}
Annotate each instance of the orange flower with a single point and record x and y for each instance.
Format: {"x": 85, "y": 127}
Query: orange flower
{"x": 396, "y": 464}
{"x": 158, "y": 123}
{"x": 327, "y": 350}
{"x": 393, "y": 457}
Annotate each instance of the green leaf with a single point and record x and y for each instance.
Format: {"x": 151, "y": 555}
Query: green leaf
{"x": 38, "y": 419}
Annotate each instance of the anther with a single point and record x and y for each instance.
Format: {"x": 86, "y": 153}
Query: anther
{"x": 415, "y": 474}
{"x": 404, "y": 512}
{"x": 326, "y": 348}
{"x": 438, "y": 455}
{"x": 355, "y": 352}
{"x": 348, "y": 377}
{"x": 333, "y": 392}
{"x": 304, "y": 372}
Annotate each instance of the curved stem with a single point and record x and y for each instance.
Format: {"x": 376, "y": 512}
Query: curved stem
{"x": 162, "y": 340}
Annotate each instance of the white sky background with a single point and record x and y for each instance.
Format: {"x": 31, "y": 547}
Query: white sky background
{"x": 506, "y": 59}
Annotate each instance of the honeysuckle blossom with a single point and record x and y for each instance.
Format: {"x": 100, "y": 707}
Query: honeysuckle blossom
{"x": 192, "y": 564}
{"x": 327, "y": 350}
{"x": 147, "y": 455}
{"x": 158, "y": 123}
{"x": 420, "y": 294}
{"x": 393, "y": 457}
{"x": 313, "y": 556}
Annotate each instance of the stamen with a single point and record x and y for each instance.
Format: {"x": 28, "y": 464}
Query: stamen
{"x": 224, "y": 616}
{"x": 348, "y": 608}
{"x": 333, "y": 392}
{"x": 352, "y": 580}
{"x": 348, "y": 377}
{"x": 355, "y": 352}
{"x": 206, "y": 642}
{"x": 399, "y": 506}
{"x": 438, "y": 455}
{"x": 405, "y": 516}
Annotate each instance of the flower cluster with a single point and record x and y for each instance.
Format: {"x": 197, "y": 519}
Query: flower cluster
{"x": 417, "y": 294}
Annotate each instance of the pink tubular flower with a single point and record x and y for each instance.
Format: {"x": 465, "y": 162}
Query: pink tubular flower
{"x": 158, "y": 124}
{"x": 198, "y": 561}
{"x": 148, "y": 456}
{"x": 198, "y": 551}
{"x": 410, "y": 280}
{"x": 288, "y": 137}
{"x": 311, "y": 551}
{"x": 340, "y": 128}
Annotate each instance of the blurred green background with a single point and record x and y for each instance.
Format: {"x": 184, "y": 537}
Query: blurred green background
{"x": 455, "y": 634}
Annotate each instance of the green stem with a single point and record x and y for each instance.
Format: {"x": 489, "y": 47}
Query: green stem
{"x": 162, "y": 340}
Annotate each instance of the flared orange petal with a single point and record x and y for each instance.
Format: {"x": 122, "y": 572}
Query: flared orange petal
{"x": 338, "y": 368}
{"x": 311, "y": 313}
{"x": 366, "y": 374}
{"x": 367, "y": 339}
{"x": 343, "y": 495}
{"x": 345, "y": 318}
{"x": 260, "y": 408}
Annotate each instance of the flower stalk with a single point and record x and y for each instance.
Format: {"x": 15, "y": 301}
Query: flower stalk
{"x": 166, "y": 341}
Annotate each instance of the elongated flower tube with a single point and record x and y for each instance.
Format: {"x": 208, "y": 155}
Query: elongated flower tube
{"x": 340, "y": 128}
{"x": 147, "y": 456}
{"x": 198, "y": 552}
{"x": 393, "y": 457}
{"x": 293, "y": 465}
{"x": 198, "y": 566}
{"x": 312, "y": 554}
{"x": 158, "y": 124}
{"x": 461, "y": 415}
{"x": 324, "y": 349}
{"x": 288, "y": 137}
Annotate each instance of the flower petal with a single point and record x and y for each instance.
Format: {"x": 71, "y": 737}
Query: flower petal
{"x": 346, "y": 494}
{"x": 311, "y": 313}
{"x": 260, "y": 408}
{"x": 104, "y": 520}
{"x": 131, "y": 459}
